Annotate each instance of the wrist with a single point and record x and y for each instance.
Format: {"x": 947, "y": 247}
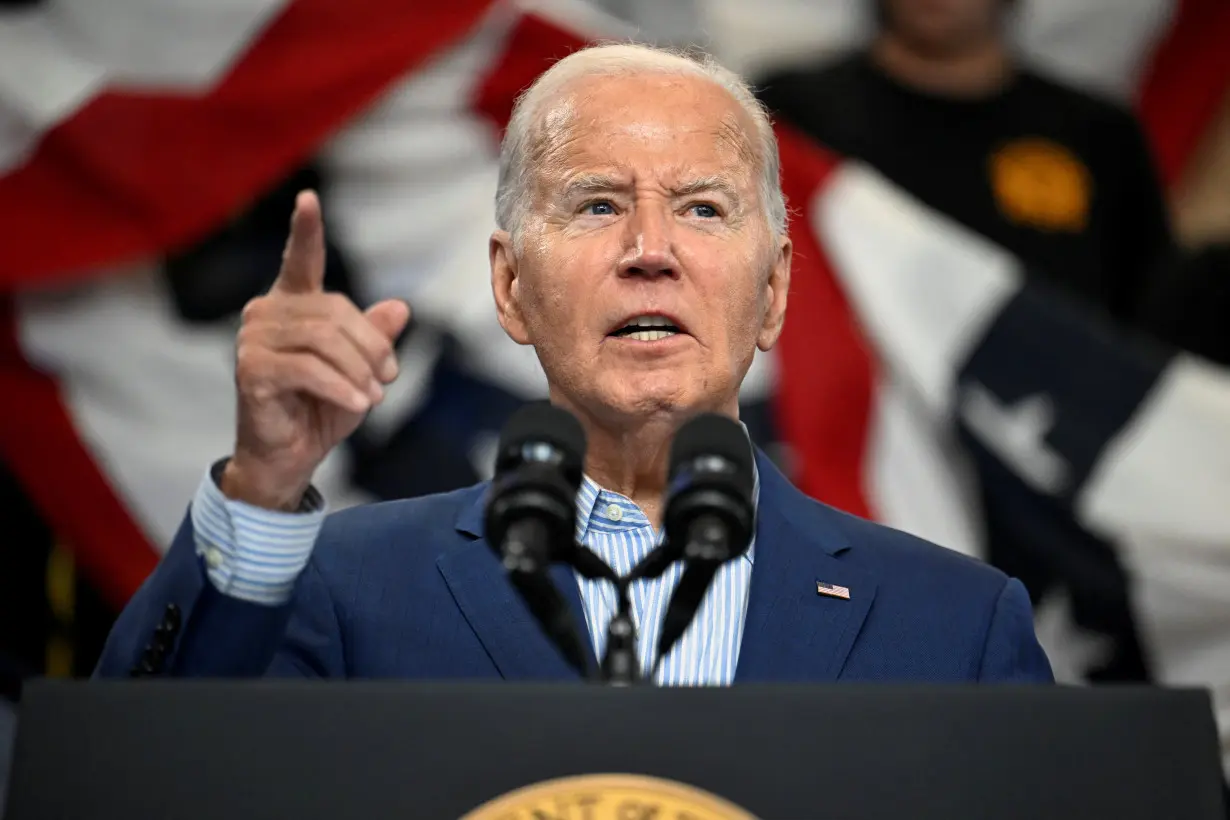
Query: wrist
{"x": 259, "y": 487}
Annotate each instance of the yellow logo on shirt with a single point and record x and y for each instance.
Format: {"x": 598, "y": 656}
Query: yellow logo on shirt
{"x": 1040, "y": 183}
{"x": 609, "y": 797}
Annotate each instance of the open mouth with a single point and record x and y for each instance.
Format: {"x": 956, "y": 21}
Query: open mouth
{"x": 647, "y": 329}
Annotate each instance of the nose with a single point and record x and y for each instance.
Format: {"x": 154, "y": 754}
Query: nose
{"x": 649, "y": 243}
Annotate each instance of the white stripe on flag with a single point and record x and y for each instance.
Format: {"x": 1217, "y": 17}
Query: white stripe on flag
{"x": 31, "y": 48}
{"x": 923, "y": 287}
{"x": 55, "y": 57}
{"x": 181, "y": 45}
{"x": 917, "y": 473}
{"x": 1167, "y": 473}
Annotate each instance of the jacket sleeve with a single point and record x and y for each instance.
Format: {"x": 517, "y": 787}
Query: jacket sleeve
{"x": 179, "y": 624}
{"x": 1011, "y": 653}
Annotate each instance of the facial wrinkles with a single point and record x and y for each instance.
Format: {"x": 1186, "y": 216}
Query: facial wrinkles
{"x": 739, "y": 293}
{"x": 563, "y": 128}
{"x": 552, "y": 143}
{"x": 734, "y": 134}
{"x": 647, "y": 131}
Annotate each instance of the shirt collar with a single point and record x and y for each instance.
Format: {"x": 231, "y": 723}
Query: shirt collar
{"x": 604, "y": 511}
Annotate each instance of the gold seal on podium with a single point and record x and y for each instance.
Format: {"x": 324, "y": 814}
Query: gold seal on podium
{"x": 609, "y": 797}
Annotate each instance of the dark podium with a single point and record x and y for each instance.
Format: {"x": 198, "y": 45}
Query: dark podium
{"x": 198, "y": 749}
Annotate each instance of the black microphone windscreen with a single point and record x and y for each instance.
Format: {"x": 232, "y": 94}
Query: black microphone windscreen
{"x": 710, "y": 434}
{"x": 542, "y": 422}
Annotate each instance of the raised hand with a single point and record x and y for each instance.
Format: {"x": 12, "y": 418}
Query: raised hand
{"x": 308, "y": 367}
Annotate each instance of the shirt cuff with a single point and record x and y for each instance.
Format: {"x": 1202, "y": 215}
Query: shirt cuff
{"x": 251, "y": 553}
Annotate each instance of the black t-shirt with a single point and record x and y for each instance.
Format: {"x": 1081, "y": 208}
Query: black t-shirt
{"x": 1063, "y": 180}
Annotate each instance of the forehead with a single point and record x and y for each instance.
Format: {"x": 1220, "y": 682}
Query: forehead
{"x": 664, "y": 125}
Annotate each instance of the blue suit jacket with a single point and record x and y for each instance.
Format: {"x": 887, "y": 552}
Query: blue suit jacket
{"x": 410, "y": 589}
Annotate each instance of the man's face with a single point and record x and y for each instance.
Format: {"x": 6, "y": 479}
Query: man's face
{"x": 942, "y": 27}
{"x": 644, "y": 212}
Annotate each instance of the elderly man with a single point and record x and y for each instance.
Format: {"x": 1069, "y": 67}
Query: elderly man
{"x": 642, "y": 250}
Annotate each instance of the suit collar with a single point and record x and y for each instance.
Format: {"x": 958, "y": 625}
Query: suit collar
{"x": 783, "y": 504}
{"x": 470, "y": 518}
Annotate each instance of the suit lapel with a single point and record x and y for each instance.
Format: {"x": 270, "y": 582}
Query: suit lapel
{"x": 495, "y": 611}
{"x": 791, "y": 632}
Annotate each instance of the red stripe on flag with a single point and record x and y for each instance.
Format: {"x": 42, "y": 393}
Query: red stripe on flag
{"x": 132, "y": 175}
{"x": 1186, "y": 83}
{"x": 827, "y": 373}
{"x": 39, "y": 442}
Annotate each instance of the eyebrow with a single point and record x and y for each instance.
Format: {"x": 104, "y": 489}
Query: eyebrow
{"x": 585, "y": 184}
{"x": 707, "y": 185}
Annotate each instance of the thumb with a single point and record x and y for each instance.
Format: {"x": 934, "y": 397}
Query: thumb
{"x": 389, "y": 317}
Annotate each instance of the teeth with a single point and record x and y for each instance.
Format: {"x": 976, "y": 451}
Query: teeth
{"x": 650, "y": 335}
{"x": 649, "y": 321}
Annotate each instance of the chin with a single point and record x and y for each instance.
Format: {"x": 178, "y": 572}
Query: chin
{"x": 643, "y": 397}
{"x": 618, "y": 395}
{"x": 646, "y": 405}
{"x": 650, "y": 395}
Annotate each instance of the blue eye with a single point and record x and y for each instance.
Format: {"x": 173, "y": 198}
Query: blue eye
{"x": 599, "y": 208}
{"x": 704, "y": 210}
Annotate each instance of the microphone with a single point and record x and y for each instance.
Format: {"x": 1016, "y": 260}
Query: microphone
{"x": 530, "y": 518}
{"x": 710, "y": 513}
{"x": 531, "y": 509}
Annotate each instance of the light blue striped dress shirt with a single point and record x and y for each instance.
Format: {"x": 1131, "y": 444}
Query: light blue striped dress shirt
{"x": 615, "y": 528}
{"x": 256, "y": 554}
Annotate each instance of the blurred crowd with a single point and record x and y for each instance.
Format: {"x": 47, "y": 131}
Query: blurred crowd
{"x": 1012, "y": 232}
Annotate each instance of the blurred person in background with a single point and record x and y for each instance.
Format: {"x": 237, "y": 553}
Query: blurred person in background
{"x": 1188, "y": 305}
{"x": 939, "y": 104}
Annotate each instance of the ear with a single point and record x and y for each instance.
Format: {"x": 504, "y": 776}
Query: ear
{"x": 777, "y": 289}
{"x": 505, "y": 286}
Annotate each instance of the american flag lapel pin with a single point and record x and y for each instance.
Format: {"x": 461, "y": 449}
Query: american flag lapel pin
{"x": 832, "y": 590}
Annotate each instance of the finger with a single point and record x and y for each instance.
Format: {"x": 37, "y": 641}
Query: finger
{"x": 390, "y": 318}
{"x": 308, "y": 373}
{"x": 336, "y": 309}
{"x": 303, "y": 261}
{"x": 324, "y": 339}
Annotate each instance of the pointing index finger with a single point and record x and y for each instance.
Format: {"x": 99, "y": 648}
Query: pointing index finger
{"x": 303, "y": 261}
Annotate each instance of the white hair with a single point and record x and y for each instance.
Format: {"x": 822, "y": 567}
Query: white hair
{"x": 525, "y": 125}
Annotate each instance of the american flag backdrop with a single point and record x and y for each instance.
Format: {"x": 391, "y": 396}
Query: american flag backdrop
{"x": 145, "y": 183}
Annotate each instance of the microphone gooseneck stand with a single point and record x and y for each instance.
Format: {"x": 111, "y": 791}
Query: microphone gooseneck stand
{"x": 530, "y": 516}
{"x": 621, "y": 663}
